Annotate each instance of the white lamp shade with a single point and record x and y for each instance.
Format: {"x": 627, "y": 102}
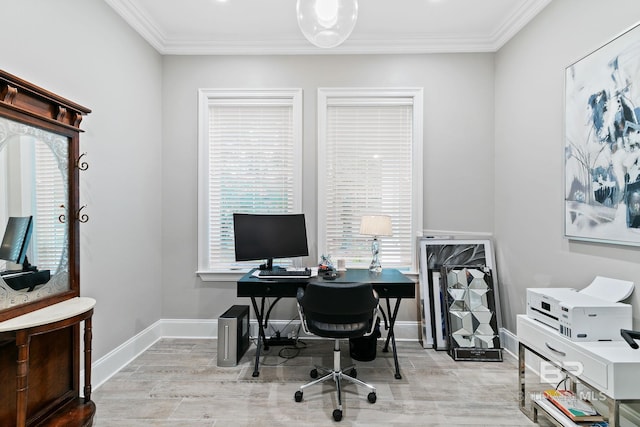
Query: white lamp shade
{"x": 327, "y": 23}
{"x": 375, "y": 225}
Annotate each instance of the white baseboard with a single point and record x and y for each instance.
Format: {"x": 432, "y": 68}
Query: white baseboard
{"x": 112, "y": 362}
{"x": 189, "y": 328}
{"x": 509, "y": 342}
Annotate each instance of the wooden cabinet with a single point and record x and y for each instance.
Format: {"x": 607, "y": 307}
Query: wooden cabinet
{"x": 35, "y": 348}
{"x": 40, "y": 324}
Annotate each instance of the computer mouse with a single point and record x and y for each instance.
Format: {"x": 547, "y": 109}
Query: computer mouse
{"x": 330, "y": 275}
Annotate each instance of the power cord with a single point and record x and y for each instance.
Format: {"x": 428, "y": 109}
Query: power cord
{"x": 564, "y": 381}
{"x": 287, "y": 352}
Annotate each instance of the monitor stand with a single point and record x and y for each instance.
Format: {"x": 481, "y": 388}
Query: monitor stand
{"x": 269, "y": 266}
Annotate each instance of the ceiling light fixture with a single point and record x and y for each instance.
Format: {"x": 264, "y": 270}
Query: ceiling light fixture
{"x": 327, "y": 23}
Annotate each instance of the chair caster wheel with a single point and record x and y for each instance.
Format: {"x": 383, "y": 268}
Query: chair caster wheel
{"x": 372, "y": 397}
{"x": 313, "y": 373}
{"x": 353, "y": 373}
{"x": 298, "y": 396}
{"x": 337, "y": 414}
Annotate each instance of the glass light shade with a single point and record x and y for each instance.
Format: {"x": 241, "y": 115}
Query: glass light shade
{"x": 327, "y": 23}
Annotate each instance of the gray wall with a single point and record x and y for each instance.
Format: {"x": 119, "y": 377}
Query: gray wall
{"x": 529, "y": 147}
{"x": 458, "y": 153}
{"x": 82, "y": 50}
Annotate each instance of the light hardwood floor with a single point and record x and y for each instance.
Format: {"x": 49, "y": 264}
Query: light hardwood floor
{"x": 177, "y": 383}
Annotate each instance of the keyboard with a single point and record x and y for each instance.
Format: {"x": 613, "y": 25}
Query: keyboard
{"x": 13, "y": 272}
{"x": 285, "y": 274}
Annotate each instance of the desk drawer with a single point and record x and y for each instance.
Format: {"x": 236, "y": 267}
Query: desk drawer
{"x": 269, "y": 288}
{"x": 563, "y": 352}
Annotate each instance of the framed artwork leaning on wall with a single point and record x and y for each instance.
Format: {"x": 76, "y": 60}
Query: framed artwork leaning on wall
{"x": 469, "y": 309}
{"x": 434, "y": 254}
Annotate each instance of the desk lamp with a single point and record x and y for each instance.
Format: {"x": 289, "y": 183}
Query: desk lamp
{"x": 376, "y": 226}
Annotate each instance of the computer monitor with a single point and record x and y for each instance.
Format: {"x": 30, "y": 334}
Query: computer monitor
{"x": 265, "y": 237}
{"x": 16, "y": 240}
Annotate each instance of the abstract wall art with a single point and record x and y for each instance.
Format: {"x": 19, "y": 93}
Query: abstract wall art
{"x": 602, "y": 143}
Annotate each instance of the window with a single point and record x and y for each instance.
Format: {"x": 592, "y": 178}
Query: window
{"x": 50, "y": 235}
{"x": 32, "y": 168}
{"x": 250, "y": 151}
{"x": 370, "y": 141}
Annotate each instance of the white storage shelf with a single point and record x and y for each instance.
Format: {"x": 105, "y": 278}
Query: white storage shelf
{"x": 556, "y": 416}
{"x": 609, "y": 368}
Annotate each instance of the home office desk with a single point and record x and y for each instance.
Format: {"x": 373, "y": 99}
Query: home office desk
{"x": 390, "y": 283}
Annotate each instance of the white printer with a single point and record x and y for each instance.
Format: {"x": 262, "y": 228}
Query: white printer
{"x": 592, "y": 314}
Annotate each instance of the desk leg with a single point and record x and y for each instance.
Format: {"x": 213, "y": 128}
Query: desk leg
{"x": 521, "y": 376}
{"x": 391, "y": 335}
{"x": 614, "y": 413}
{"x": 261, "y": 336}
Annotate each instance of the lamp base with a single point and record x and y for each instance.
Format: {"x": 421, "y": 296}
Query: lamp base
{"x": 375, "y": 266}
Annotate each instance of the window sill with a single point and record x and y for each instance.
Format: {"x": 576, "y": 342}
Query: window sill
{"x": 411, "y": 274}
{"x": 221, "y": 275}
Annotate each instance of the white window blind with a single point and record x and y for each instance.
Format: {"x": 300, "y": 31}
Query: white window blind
{"x": 370, "y": 166}
{"x": 249, "y": 163}
{"x": 49, "y": 234}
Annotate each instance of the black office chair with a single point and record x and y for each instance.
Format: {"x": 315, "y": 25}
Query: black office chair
{"x": 338, "y": 311}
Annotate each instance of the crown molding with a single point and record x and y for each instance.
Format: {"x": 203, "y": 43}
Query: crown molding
{"x": 517, "y": 21}
{"x": 139, "y": 22}
{"x": 364, "y": 44}
{"x": 371, "y": 46}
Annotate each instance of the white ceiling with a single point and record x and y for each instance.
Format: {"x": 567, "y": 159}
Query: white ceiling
{"x": 217, "y": 27}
